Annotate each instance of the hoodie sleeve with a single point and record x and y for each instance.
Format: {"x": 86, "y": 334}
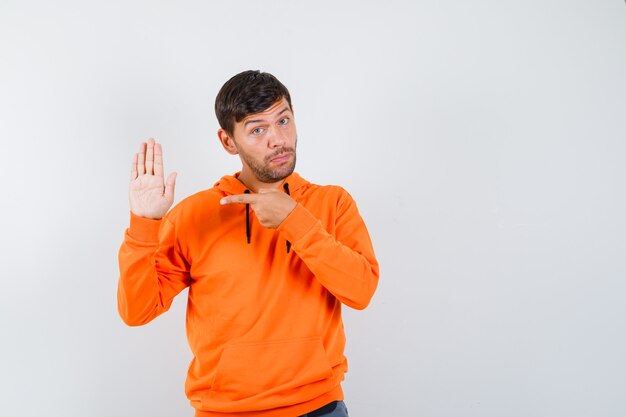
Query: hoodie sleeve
{"x": 344, "y": 263}
{"x": 152, "y": 270}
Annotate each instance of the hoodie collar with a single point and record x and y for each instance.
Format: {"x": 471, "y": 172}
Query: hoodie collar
{"x": 230, "y": 184}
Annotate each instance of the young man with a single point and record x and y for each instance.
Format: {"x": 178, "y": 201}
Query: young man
{"x": 268, "y": 257}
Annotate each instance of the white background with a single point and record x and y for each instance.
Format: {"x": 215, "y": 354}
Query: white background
{"x": 485, "y": 142}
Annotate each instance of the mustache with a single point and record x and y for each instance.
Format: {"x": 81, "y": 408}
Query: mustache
{"x": 279, "y": 151}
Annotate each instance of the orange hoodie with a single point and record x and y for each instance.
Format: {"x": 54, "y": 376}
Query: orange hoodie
{"x": 264, "y": 306}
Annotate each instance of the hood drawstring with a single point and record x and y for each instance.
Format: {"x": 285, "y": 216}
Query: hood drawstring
{"x": 247, "y": 218}
{"x": 248, "y": 231}
{"x": 286, "y": 187}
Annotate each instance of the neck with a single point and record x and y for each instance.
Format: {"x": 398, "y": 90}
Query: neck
{"x": 253, "y": 184}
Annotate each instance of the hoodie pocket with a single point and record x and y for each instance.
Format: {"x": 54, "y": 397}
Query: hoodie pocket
{"x": 262, "y": 370}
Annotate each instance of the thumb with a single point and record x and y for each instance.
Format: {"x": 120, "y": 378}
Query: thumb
{"x": 170, "y": 183}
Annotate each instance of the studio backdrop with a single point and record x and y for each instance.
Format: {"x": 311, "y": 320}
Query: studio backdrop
{"x": 484, "y": 143}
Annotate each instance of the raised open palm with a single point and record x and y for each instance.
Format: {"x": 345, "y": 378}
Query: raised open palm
{"x": 148, "y": 194}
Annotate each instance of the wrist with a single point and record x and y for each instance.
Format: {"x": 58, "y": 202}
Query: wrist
{"x": 144, "y": 229}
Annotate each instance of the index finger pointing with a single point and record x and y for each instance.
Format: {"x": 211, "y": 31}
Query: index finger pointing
{"x": 238, "y": 198}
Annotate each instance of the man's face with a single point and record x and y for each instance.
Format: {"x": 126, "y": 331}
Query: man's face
{"x": 266, "y": 142}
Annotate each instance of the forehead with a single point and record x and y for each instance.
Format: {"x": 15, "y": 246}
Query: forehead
{"x": 279, "y": 107}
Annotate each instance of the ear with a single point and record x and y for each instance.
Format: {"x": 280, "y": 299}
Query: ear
{"x": 227, "y": 142}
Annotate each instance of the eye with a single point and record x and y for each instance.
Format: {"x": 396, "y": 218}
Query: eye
{"x": 284, "y": 121}
{"x": 257, "y": 131}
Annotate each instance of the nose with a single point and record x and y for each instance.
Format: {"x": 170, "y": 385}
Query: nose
{"x": 277, "y": 137}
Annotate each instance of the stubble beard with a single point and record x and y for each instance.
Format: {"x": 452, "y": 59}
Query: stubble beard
{"x": 262, "y": 170}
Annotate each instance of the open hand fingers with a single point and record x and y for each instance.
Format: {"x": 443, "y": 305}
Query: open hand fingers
{"x": 169, "y": 187}
{"x": 149, "y": 160}
{"x": 150, "y": 157}
{"x": 158, "y": 160}
{"x": 133, "y": 167}
{"x": 141, "y": 159}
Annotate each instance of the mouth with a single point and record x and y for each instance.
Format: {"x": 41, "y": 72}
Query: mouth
{"x": 280, "y": 158}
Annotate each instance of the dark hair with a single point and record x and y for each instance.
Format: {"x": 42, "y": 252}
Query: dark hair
{"x": 246, "y": 93}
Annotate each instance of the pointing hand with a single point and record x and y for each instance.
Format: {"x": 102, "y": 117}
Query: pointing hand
{"x": 270, "y": 206}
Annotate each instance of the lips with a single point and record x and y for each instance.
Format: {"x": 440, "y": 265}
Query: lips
{"x": 283, "y": 157}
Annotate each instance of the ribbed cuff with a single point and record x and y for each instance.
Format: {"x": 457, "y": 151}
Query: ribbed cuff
{"x": 144, "y": 230}
{"x": 297, "y": 224}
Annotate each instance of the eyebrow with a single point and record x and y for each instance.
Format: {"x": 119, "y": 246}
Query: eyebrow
{"x": 261, "y": 120}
